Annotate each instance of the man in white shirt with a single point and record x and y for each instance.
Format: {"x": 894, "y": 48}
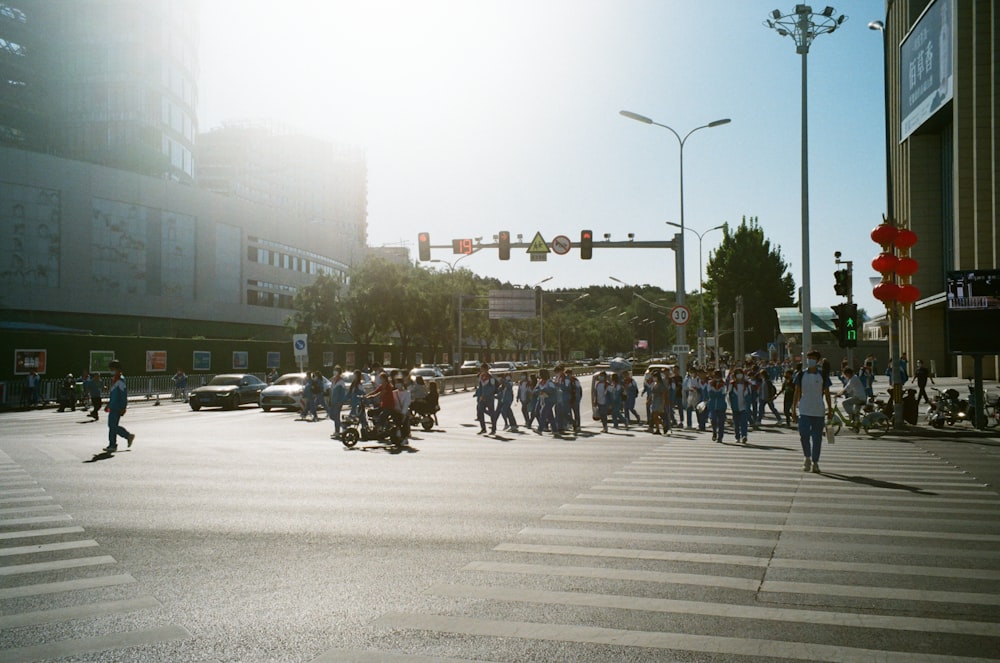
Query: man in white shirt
{"x": 811, "y": 387}
{"x": 854, "y": 389}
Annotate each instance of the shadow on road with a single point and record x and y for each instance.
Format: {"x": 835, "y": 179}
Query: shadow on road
{"x": 877, "y": 483}
{"x": 105, "y": 455}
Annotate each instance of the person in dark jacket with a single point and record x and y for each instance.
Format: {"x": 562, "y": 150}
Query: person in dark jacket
{"x": 117, "y": 404}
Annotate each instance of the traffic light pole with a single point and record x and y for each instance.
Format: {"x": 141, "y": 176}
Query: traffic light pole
{"x": 850, "y": 297}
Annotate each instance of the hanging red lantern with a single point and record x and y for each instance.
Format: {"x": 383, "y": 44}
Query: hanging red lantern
{"x": 883, "y": 234}
{"x": 905, "y": 238}
{"x": 908, "y": 294}
{"x": 885, "y": 263}
{"x": 886, "y": 291}
{"x": 906, "y": 266}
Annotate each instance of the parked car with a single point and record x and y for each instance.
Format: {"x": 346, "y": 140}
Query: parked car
{"x": 229, "y": 391}
{"x": 469, "y": 367}
{"x": 502, "y": 367}
{"x": 428, "y": 373}
{"x": 286, "y": 392}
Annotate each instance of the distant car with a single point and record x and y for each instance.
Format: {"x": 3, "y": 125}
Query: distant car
{"x": 469, "y": 367}
{"x": 446, "y": 369}
{"x": 286, "y": 392}
{"x": 502, "y": 367}
{"x": 229, "y": 391}
{"x": 427, "y": 373}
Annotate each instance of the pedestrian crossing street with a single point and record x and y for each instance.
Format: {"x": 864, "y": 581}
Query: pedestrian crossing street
{"x": 704, "y": 552}
{"x": 43, "y": 554}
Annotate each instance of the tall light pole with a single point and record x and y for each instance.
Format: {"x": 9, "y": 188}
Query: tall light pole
{"x": 701, "y": 286}
{"x": 541, "y": 321}
{"x": 893, "y": 309}
{"x": 681, "y": 297}
{"x": 802, "y": 25}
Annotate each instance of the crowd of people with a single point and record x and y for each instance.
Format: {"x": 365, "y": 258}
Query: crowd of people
{"x": 732, "y": 400}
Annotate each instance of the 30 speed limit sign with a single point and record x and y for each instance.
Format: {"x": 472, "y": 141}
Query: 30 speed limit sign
{"x": 680, "y": 314}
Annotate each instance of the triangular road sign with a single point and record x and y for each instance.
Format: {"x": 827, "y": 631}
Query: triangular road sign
{"x": 538, "y": 244}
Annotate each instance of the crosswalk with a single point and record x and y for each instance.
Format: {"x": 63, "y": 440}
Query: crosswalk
{"x": 704, "y": 552}
{"x": 47, "y": 561}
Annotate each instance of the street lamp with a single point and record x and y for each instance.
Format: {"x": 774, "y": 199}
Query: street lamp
{"x": 541, "y": 321}
{"x": 701, "y": 285}
{"x": 893, "y": 309}
{"x": 802, "y": 25}
{"x": 681, "y": 297}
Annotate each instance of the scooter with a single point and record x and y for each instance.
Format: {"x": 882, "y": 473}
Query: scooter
{"x": 385, "y": 427}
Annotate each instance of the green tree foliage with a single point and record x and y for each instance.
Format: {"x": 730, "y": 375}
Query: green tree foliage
{"x": 417, "y": 308}
{"x": 746, "y": 264}
{"x": 318, "y": 311}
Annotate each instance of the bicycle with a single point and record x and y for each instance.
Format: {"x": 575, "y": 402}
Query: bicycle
{"x": 874, "y": 422}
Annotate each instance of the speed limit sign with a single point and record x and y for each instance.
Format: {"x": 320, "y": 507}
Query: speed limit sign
{"x": 680, "y": 314}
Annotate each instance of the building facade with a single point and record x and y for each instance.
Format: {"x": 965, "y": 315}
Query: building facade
{"x": 943, "y": 71}
{"x": 105, "y": 223}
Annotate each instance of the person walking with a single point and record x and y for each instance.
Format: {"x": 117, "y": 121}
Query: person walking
{"x": 658, "y": 399}
{"x": 630, "y": 389}
{"x": 338, "y": 397}
{"x": 575, "y": 396}
{"x": 485, "y": 395}
{"x": 811, "y": 388}
{"x": 313, "y": 391}
{"x": 920, "y": 376}
{"x": 117, "y": 404}
{"x": 787, "y": 392}
{"x": 740, "y": 395}
{"x": 92, "y": 387}
{"x": 506, "y": 400}
{"x": 526, "y": 397}
{"x": 599, "y": 397}
{"x": 716, "y": 405}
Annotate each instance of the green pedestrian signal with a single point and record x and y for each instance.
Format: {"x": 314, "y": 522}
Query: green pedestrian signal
{"x": 846, "y": 324}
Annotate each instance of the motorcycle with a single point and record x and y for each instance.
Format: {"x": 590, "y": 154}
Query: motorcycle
{"x": 421, "y": 413}
{"x": 385, "y": 427}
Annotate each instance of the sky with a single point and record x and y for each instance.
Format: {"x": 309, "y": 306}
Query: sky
{"x": 478, "y": 116}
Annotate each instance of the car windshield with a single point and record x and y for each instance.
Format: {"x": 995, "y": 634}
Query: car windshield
{"x": 225, "y": 380}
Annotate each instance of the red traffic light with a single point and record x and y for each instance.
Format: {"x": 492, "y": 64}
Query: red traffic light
{"x": 586, "y": 244}
{"x": 424, "y": 245}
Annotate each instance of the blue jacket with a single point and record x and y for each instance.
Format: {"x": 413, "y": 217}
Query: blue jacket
{"x": 338, "y": 393}
{"x": 118, "y": 396}
{"x": 486, "y": 390}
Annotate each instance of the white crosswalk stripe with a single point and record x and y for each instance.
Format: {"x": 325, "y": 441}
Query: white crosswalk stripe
{"x": 770, "y": 558}
{"x": 59, "y": 552}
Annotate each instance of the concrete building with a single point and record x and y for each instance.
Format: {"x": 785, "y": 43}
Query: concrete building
{"x": 943, "y": 74}
{"x": 104, "y": 224}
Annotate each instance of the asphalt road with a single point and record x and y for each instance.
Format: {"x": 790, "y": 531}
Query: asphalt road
{"x": 251, "y": 536}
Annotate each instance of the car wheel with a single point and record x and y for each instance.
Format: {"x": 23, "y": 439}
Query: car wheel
{"x": 195, "y": 405}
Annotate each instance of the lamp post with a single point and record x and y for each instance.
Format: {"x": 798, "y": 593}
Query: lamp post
{"x": 541, "y": 321}
{"x": 802, "y": 25}
{"x": 893, "y": 308}
{"x": 681, "y": 296}
{"x": 701, "y": 285}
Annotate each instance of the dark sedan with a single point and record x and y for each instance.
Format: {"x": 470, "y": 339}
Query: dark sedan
{"x": 228, "y": 391}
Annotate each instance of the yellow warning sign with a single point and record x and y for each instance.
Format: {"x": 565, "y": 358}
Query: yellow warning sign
{"x": 538, "y": 244}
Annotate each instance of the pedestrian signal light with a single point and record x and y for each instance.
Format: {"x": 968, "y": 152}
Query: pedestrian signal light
{"x": 846, "y": 324}
{"x": 462, "y": 246}
{"x": 424, "y": 243}
{"x": 586, "y": 244}
{"x": 503, "y": 240}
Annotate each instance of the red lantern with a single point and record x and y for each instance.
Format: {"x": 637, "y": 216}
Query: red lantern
{"x": 906, "y": 266}
{"x": 883, "y": 234}
{"x": 905, "y": 238}
{"x": 885, "y": 263}
{"x": 886, "y": 291}
{"x": 908, "y": 294}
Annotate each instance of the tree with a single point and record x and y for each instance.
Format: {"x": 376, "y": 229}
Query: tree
{"x": 746, "y": 264}
{"x": 317, "y": 310}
